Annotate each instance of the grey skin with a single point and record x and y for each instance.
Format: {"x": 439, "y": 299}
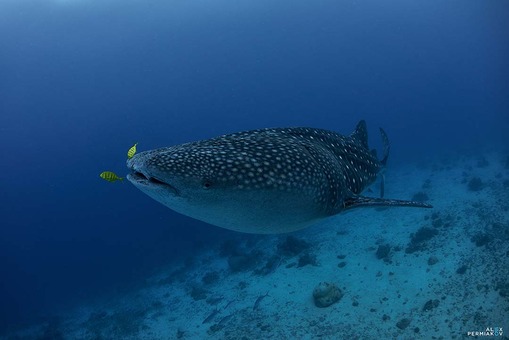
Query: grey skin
{"x": 265, "y": 181}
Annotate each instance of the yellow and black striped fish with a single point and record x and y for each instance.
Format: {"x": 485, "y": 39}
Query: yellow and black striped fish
{"x": 132, "y": 151}
{"x": 110, "y": 176}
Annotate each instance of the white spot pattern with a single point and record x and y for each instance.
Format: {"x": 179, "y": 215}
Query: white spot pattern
{"x": 326, "y": 165}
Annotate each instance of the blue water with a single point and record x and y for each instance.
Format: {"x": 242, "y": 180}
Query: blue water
{"x": 81, "y": 81}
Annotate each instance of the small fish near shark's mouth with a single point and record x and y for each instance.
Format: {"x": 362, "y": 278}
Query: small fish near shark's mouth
{"x": 140, "y": 178}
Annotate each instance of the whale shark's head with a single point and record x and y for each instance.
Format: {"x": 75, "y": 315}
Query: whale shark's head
{"x": 242, "y": 184}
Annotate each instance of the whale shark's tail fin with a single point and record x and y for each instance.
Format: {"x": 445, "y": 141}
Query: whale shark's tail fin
{"x": 361, "y": 136}
{"x": 361, "y": 133}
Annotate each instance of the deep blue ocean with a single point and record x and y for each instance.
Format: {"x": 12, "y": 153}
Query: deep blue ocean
{"x": 83, "y": 80}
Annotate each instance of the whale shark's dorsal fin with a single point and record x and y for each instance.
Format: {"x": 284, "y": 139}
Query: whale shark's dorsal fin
{"x": 361, "y": 134}
{"x": 363, "y": 201}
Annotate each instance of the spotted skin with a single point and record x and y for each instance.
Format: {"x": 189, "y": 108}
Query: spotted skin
{"x": 263, "y": 181}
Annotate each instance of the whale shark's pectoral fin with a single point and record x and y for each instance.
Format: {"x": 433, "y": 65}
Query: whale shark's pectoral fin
{"x": 363, "y": 201}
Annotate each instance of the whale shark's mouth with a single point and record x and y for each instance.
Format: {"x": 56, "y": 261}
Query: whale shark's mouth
{"x": 139, "y": 178}
{"x": 142, "y": 177}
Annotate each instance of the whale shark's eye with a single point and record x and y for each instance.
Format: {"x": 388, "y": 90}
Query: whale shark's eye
{"x": 207, "y": 184}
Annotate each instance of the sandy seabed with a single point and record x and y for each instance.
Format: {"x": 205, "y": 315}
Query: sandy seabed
{"x": 405, "y": 273}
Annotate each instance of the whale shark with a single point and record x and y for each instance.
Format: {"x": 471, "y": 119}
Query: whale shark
{"x": 265, "y": 181}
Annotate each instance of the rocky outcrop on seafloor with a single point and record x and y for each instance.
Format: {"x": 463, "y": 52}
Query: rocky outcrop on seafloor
{"x": 326, "y": 294}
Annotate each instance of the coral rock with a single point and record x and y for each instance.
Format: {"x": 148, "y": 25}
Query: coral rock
{"x": 325, "y": 294}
